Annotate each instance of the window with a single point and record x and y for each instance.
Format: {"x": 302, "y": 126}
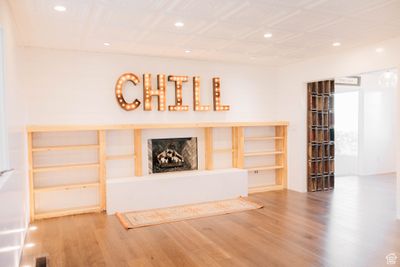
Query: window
{"x": 3, "y": 132}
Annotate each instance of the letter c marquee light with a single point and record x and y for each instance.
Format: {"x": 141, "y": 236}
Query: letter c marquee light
{"x": 126, "y": 77}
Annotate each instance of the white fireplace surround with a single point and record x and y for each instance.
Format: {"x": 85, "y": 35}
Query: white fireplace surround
{"x": 174, "y": 189}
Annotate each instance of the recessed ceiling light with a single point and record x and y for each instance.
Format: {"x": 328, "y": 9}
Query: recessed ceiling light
{"x": 60, "y": 8}
{"x": 336, "y": 44}
{"x": 379, "y": 50}
{"x": 187, "y": 51}
{"x": 106, "y": 44}
{"x": 268, "y": 35}
{"x": 179, "y": 24}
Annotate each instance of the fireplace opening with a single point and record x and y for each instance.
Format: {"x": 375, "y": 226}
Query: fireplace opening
{"x": 172, "y": 154}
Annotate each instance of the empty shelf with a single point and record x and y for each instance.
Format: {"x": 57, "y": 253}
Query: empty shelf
{"x": 65, "y": 167}
{"x": 262, "y": 153}
{"x": 264, "y": 168}
{"x": 58, "y": 148}
{"x": 66, "y": 187}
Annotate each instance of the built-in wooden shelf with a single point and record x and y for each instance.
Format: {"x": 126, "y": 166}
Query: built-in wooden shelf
{"x": 278, "y": 151}
{"x": 259, "y": 189}
{"x": 120, "y": 157}
{"x": 236, "y": 153}
{"x": 97, "y": 144}
{"x": 65, "y": 167}
{"x": 262, "y": 153}
{"x": 65, "y": 212}
{"x": 264, "y": 168}
{"x": 66, "y": 187}
{"x": 60, "y": 148}
{"x": 262, "y": 138}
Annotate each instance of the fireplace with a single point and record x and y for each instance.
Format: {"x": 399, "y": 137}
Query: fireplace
{"x": 172, "y": 154}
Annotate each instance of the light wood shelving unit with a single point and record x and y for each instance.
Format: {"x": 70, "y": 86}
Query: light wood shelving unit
{"x": 237, "y": 153}
{"x": 34, "y": 170}
{"x": 279, "y": 154}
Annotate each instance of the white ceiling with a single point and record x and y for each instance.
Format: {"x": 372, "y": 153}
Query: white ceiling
{"x": 223, "y": 30}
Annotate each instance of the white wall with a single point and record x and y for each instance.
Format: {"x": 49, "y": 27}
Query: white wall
{"x": 13, "y": 188}
{"x": 69, "y": 87}
{"x": 377, "y": 126}
{"x": 292, "y": 85}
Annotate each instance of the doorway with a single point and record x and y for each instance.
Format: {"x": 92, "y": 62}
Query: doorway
{"x": 346, "y": 131}
{"x": 364, "y": 125}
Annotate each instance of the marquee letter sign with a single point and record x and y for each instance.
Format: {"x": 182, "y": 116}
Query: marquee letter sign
{"x": 148, "y": 93}
{"x": 178, "y": 93}
{"x": 160, "y": 93}
{"x": 217, "y": 95}
{"x": 127, "y": 77}
{"x": 196, "y": 96}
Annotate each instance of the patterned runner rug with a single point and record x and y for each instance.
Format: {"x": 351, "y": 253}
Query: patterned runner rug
{"x": 137, "y": 219}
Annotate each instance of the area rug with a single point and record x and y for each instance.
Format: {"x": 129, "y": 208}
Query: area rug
{"x": 138, "y": 219}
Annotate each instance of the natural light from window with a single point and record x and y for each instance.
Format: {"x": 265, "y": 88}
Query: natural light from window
{"x": 346, "y": 123}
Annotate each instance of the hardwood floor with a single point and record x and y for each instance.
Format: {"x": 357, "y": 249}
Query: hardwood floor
{"x": 354, "y": 225}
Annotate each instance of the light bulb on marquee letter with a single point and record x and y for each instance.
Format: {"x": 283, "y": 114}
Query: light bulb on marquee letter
{"x": 178, "y": 93}
{"x": 196, "y": 96}
{"x": 217, "y": 96}
{"x": 127, "y": 77}
{"x": 148, "y": 93}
